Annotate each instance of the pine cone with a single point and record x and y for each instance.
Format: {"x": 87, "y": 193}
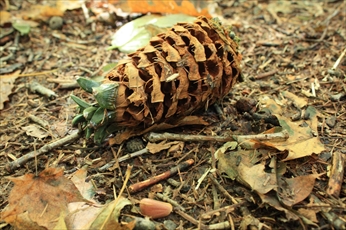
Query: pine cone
{"x": 187, "y": 68}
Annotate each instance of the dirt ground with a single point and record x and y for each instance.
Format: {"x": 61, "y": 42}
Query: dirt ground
{"x": 285, "y": 48}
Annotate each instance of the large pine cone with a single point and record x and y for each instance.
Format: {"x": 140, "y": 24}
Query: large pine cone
{"x": 189, "y": 67}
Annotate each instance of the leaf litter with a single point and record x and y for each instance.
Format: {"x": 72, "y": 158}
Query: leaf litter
{"x": 292, "y": 70}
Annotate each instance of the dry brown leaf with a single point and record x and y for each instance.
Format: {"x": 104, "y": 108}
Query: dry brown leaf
{"x": 297, "y": 189}
{"x": 158, "y": 147}
{"x": 194, "y": 8}
{"x": 39, "y": 200}
{"x": 244, "y": 167}
{"x": 108, "y": 218}
{"x": 303, "y": 139}
{"x": 5, "y": 17}
{"x": 85, "y": 188}
{"x": 35, "y": 131}
{"x": 299, "y": 102}
{"x": 6, "y": 85}
{"x": 272, "y": 200}
{"x": 308, "y": 213}
{"x": 257, "y": 178}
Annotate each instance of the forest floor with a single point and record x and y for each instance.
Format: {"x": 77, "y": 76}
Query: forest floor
{"x": 290, "y": 58}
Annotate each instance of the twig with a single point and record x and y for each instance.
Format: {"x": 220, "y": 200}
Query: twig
{"x": 339, "y": 60}
{"x": 226, "y": 209}
{"x": 144, "y": 184}
{"x": 336, "y": 174}
{"x": 201, "y": 179}
{"x": 6, "y": 58}
{"x": 190, "y": 218}
{"x": 222, "y": 189}
{"x": 279, "y": 136}
{"x": 266, "y": 74}
{"x": 46, "y": 148}
{"x": 38, "y": 120}
{"x": 71, "y": 85}
{"x": 36, "y": 87}
{"x": 337, "y": 97}
{"x": 172, "y": 202}
{"x": 123, "y": 158}
{"x": 332, "y": 218}
{"x": 217, "y": 226}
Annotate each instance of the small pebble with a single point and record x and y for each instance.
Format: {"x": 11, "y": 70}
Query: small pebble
{"x": 134, "y": 145}
{"x": 245, "y": 104}
{"x": 56, "y": 22}
{"x": 331, "y": 121}
{"x": 170, "y": 225}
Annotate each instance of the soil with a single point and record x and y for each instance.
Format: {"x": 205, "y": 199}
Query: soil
{"x": 289, "y": 49}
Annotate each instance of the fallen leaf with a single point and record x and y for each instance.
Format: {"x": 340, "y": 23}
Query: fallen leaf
{"x": 244, "y": 166}
{"x": 297, "y": 189}
{"x": 158, "y": 147}
{"x": 138, "y": 32}
{"x": 231, "y": 145}
{"x": 39, "y": 200}
{"x": 299, "y": 102}
{"x": 22, "y": 27}
{"x": 309, "y": 213}
{"x": 86, "y": 189}
{"x": 190, "y": 7}
{"x": 303, "y": 139}
{"x": 35, "y": 131}
{"x": 5, "y": 17}
{"x": 108, "y": 218}
{"x": 273, "y": 201}
{"x": 60, "y": 127}
{"x": 40, "y": 12}
{"x": 257, "y": 178}
{"x": 6, "y": 85}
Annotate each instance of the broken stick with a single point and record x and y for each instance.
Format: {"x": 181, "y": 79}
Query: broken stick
{"x": 144, "y": 184}
{"x": 46, "y": 148}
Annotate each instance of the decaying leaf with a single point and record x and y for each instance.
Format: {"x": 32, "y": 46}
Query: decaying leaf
{"x": 5, "y": 17}
{"x": 245, "y": 167}
{"x": 189, "y": 7}
{"x": 86, "y": 188}
{"x": 6, "y": 85}
{"x": 294, "y": 190}
{"x": 39, "y": 200}
{"x": 158, "y": 147}
{"x": 97, "y": 217}
{"x": 303, "y": 139}
{"x": 81, "y": 215}
{"x": 35, "y": 131}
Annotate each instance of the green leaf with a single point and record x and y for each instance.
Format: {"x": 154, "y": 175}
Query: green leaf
{"x": 87, "y": 84}
{"x": 82, "y": 104}
{"x": 98, "y": 117}
{"x": 107, "y": 68}
{"x": 105, "y": 95}
{"x": 88, "y": 132}
{"x": 138, "y": 32}
{"x": 78, "y": 119}
{"x": 89, "y": 112}
{"x": 22, "y": 27}
{"x": 100, "y": 134}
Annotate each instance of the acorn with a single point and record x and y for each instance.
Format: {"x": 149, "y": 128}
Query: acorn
{"x": 183, "y": 70}
{"x": 154, "y": 209}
